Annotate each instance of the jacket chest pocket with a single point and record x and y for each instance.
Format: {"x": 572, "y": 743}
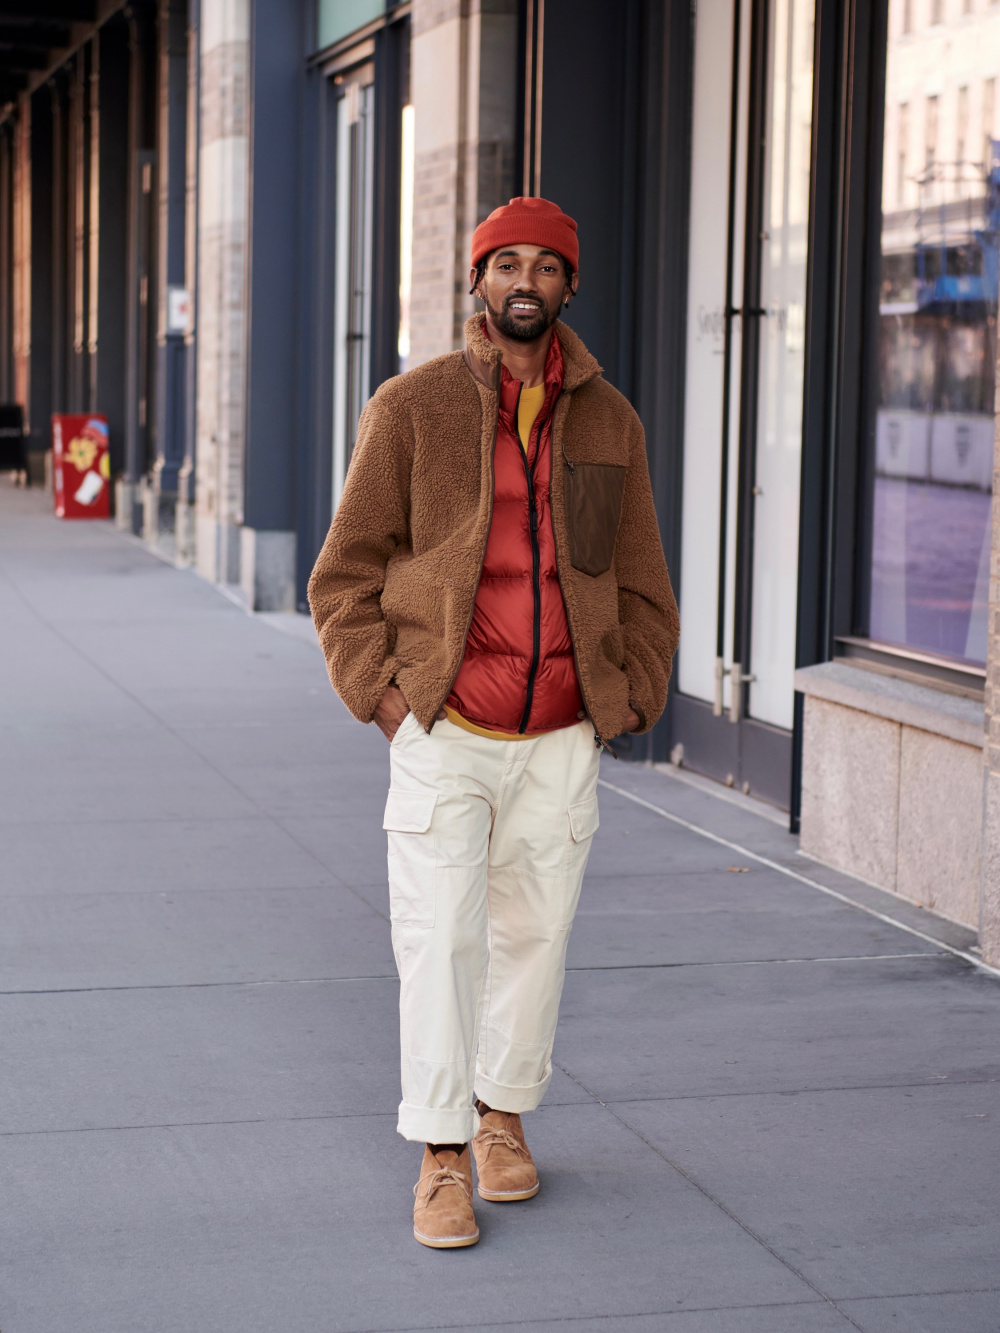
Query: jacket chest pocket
{"x": 593, "y": 507}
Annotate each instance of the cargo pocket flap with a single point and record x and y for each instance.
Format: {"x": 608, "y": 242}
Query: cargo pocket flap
{"x": 584, "y": 819}
{"x": 409, "y": 811}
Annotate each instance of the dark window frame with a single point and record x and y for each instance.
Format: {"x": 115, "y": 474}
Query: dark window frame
{"x": 841, "y": 312}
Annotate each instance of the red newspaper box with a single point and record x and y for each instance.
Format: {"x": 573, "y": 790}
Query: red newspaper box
{"x": 81, "y": 468}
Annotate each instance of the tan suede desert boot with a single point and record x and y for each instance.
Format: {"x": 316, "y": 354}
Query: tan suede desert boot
{"x": 442, "y": 1214}
{"x": 506, "y": 1170}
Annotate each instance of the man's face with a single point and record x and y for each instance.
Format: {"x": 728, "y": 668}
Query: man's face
{"x": 524, "y": 287}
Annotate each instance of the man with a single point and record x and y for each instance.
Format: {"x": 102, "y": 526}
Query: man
{"x": 493, "y": 594}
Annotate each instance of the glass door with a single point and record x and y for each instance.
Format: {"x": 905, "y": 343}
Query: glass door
{"x": 745, "y": 364}
{"x": 353, "y": 224}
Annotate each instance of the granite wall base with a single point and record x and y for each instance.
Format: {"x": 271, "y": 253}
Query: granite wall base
{"x": 893, "y": 804}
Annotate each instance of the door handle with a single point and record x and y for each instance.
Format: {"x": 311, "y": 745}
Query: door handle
{"x": 736, "y": 691}
{"x": 721, "y": 672}
{"x": 738, "y": 680}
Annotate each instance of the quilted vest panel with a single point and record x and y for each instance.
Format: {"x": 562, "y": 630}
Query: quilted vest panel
{"x": 518, "y": 672}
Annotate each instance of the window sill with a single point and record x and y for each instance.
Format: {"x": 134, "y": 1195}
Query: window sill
{"x": 913, "y": 705}
{"x": 936, "y": 673}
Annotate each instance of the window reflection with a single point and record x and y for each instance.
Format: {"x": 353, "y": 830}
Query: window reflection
{"x": 937, "y": 330}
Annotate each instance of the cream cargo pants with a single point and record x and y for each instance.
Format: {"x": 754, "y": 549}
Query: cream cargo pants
{"x": 488, "y": 842}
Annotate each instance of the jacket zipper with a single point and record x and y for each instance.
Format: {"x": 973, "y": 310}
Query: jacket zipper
{"x": 536, "y": 619}
{"x": 482, "y": 560}
{"x": 599, "y": 740}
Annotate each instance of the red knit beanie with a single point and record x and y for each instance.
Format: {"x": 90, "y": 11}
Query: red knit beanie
{"x": 527, "y": 221}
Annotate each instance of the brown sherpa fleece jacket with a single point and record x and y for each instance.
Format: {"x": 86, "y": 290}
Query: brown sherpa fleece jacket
{"x": 393, "y": 589}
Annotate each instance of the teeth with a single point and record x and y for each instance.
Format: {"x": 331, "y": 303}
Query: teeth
{"x": 524, "y": 305}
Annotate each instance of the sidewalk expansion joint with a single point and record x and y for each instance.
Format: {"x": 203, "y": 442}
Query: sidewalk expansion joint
{"x": 567, "y": 1321}
{"x": 757, "y": 962}
{"x": 198, "y": 1124}
{"x": 802, "y": 879}
{"x": 918, "y": 1295}
{"x": 392, "y": 976}
{"x": 932, "y": 1081}
{"x": 203, "y": 985}
{"x": 590, "y": 1099}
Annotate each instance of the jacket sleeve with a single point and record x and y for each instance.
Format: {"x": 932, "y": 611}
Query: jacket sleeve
{"x": 370, "y": 525}
{"x": 647, "y": 610}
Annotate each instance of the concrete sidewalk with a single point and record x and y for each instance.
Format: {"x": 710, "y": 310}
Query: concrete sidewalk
{"x": 773, "y": 1111}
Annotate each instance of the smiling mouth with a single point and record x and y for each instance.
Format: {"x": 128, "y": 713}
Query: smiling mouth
{"x": 531, "y": 306}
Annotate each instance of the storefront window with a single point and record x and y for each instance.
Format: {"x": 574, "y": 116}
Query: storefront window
{"x": 937, "y": 334}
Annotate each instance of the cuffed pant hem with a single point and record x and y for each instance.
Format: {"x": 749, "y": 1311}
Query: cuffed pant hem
{"x": 502, "y": 1098}
{"x": 423, "y": 1124}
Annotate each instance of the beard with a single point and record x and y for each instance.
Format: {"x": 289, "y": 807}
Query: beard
{"x": 525, "y": 331}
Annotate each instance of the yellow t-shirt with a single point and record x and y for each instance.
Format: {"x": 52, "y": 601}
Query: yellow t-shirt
{"x": 528, "y": 407}
{"x": 476, "y": 730}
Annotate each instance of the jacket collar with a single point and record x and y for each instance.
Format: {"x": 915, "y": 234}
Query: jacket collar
{"x": 483, "y": 357}
{"x": 510, "y": 388}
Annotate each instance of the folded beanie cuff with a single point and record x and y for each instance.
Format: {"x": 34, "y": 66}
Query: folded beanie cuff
{"x": 527, "y": 221}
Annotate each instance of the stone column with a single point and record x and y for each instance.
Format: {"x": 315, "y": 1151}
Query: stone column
{"x": 463, "y": 77}
{"x": 989, "y": 895}
{"x": 221, "y": 299}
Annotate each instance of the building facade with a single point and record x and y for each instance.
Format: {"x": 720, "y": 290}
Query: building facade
{"x": 225, "y": 222}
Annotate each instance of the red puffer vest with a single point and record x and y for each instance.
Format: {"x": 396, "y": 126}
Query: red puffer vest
{"x": 518, "y": 673}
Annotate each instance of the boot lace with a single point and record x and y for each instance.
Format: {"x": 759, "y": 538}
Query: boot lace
{"x": 492, "y": 1138}
{"x": 444, "y": 1175}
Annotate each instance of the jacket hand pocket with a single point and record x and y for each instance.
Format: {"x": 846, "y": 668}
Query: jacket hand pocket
{"x": 593, "y": 507}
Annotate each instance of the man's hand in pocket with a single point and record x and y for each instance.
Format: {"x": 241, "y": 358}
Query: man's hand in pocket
{"x": 391, "y": 711}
